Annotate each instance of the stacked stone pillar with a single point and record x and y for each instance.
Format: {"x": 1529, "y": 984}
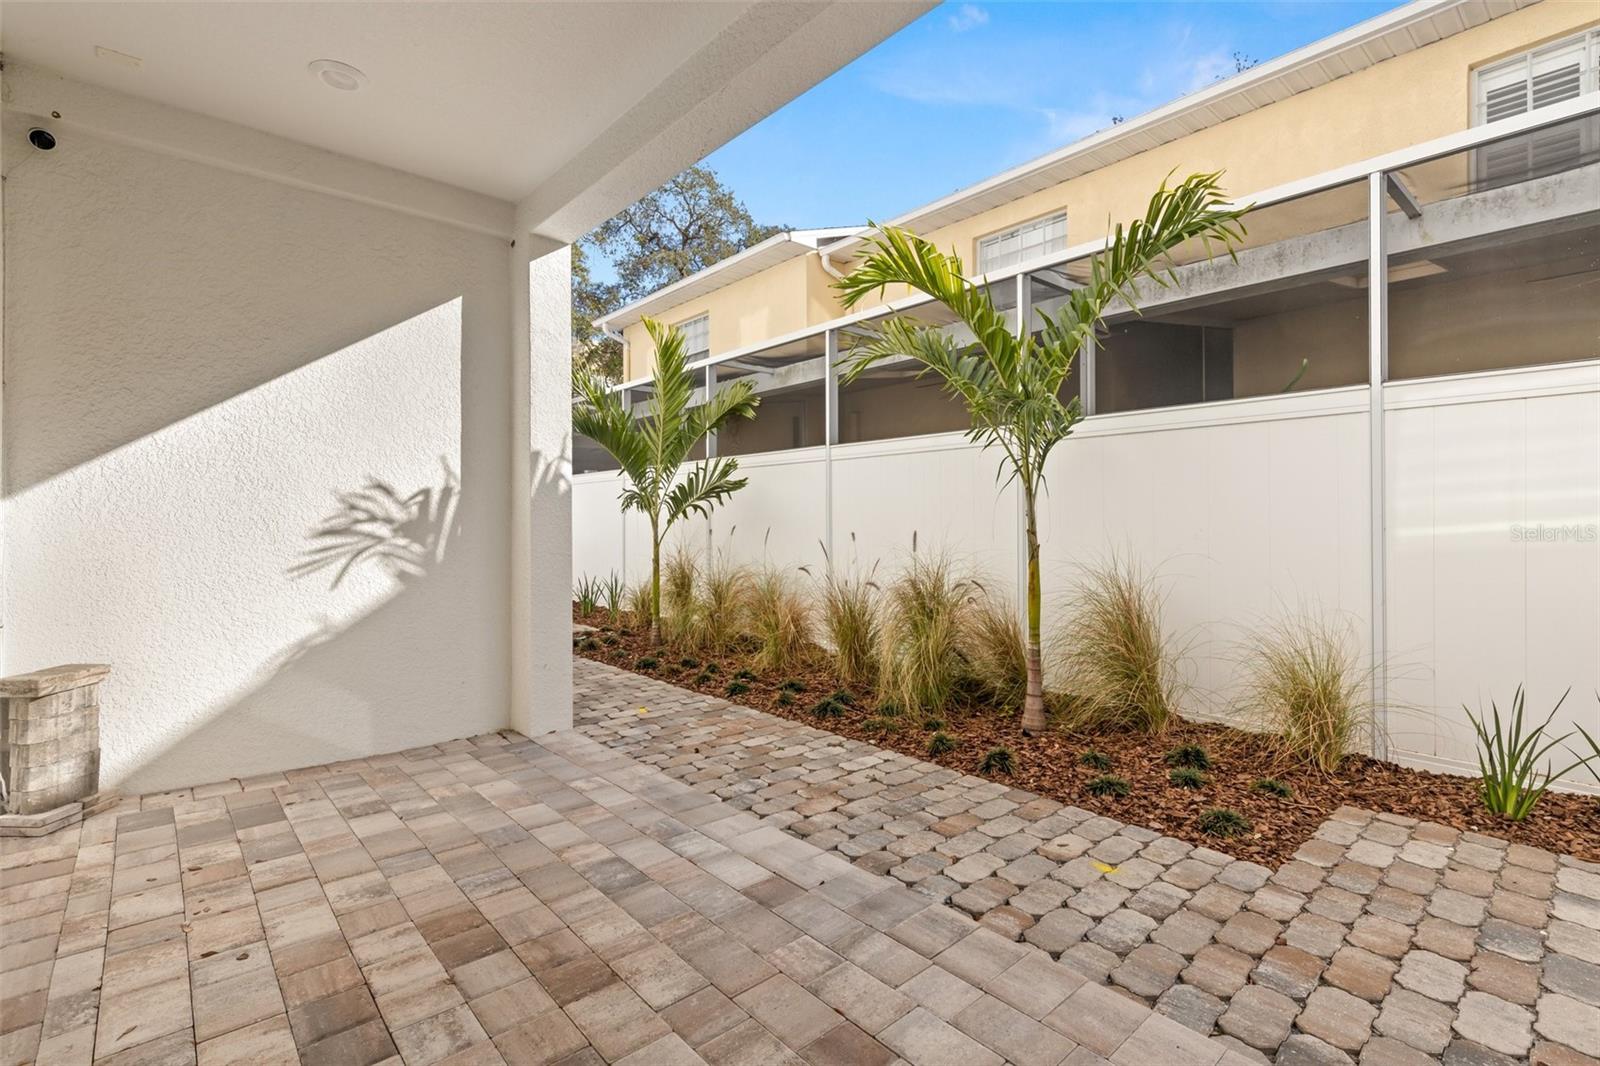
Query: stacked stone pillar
{"x": 50, "y": 747}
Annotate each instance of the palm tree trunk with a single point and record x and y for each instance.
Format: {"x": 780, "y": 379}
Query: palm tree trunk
{"x": 1033, "y": 719}
{"x": 655, "y": 581}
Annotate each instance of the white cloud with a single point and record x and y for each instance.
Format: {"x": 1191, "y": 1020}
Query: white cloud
{"x": 967, "y": 17}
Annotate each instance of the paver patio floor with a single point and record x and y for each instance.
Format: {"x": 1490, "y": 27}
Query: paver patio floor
{"x": 499, "y": 899}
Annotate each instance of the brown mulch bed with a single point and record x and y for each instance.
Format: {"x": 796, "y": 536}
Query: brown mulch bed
{"x": 1049, "y": 764}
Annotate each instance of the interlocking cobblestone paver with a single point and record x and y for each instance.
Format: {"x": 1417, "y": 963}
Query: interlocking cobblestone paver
{"x": 1329, "y": 932}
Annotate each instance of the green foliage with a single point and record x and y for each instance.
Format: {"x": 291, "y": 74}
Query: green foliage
{"x": 1187, "y": 777}
{"x": 998, "y": 761}
{"x": 1508, "y": 758}
{"x": 652, "y": 451}
{"x": 996, "y": 650}
{"x": 612, "y": 594}
{"x": 645, "y": 662}
{"x": 588, "y": 644}
{"x": 717, "y": 608}
{"x": 793, "y": 685}
{"x": 1305, "y": 685}
{"x": 920, "y": 657}
{"x": 689, "y": 662}
{"x": 1095, "y": 760}
{"x": 932, "y": 724}
{"x": 843, "y": 698}
{"x": 1114, "y": 659}
{"x": 779, "y": 617}
{"x": 639, "y": 603}
{"x": 703, "y": 677}
{"x": 828, "y": 707}
{"x": 1273, "y": 787}
{"x": 1011, "y": 382}
{"x": 850, "y": 618}
{"x": 941, "y": 743}
{"x": 608, "y": 639}
{"x": 744, "y": 674}
{"x": 587, "y": 594}
{"x": 737, "y": 688}
{"x": 880, "y": 724}
{"x": 785, "y": 698}
{"x": 1192, "y": 755}
{"x": 1108, "y": 785}
{"x": 1221, "y": 822}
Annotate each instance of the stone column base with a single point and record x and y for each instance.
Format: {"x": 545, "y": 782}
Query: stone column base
{"x": 68, "y": 814}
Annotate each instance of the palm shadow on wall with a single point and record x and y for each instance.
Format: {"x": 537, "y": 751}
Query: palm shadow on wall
{"x": 407, "y": 536}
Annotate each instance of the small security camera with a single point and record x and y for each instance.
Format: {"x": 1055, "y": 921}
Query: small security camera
{"x": 41, "y": 138}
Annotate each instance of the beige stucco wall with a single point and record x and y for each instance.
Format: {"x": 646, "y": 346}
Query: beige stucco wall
{"x": 1412, "y": 98}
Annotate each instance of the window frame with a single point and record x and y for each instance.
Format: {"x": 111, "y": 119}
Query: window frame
{"x": 692, "y": 355}
{"x": 1037, "y": 222}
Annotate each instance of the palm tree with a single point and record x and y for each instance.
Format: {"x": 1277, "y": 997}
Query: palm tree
{"x": 1011, "y": 382}
{"x": 652, "y": 450}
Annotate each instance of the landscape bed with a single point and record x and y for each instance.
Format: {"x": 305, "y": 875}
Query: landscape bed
{"x": 1050, "y": 764}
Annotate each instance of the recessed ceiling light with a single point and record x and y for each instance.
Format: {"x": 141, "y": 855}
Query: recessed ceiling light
{"x": 338, "y": 75}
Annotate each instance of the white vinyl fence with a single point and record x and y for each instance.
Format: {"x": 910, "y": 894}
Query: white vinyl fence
{"x": 1246, "y": 511}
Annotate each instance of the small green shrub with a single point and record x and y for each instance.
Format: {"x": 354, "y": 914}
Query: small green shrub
{"x": 589, "y": 644}
{"x": 785, "y": 697}
{"x": 1190, "y": 755}
{"x": 1221, "y": 822}
{"x": 1108, "y": 785}
{"x": 737, "y": 688}
{"x": 827, "y": 707}
{"x": 611, "y": 595}
{"x": 1115, "y": 661}
{"x": 744, "y": 675}
{"x": 1305, "y": 685}
{"x": 713, "y": 668}
{"x": 689, "y": 662}
{"x": 645, "y": 662}
{"x": 843, "y": 698}
{"x": 921, "y": 663}
{"x": 609, "y": 640}
{"x": 880, "y": 724}
{"x": 998, "y": 761}
{"x": 932, "y": 725}
{"x": 851, "y": 622}
{"x": 941, "y": 743}
{"x": 1095, "y": 760}
{"x": 1273, "y": 787}
{"x": 1508, "y": 759}
{"x": 703, "y": 677}
{"x": 1187, "y": 777}
{"x": 791, "y": 685}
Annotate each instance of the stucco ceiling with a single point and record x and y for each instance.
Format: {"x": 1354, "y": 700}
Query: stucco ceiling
{"x": 498, "y": 98}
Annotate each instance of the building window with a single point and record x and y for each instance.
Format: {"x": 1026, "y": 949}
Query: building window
{"x": 1550, "y": 75}
{"x": 696, "y": 337}
{"x": 1028, "y": 241}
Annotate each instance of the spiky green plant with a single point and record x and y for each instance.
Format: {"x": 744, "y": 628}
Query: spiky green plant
{"x": 1222, "y": 822}
{"x": 1191, "y": 755}
{"x": 827, "y": 707}
{"x": 639, "y": 603}
{"x": 645, "y": 662}
{"x": 1273, "y": 787}
{"x": 1187, "y": 777}
{"x": 612, "y": 594}
{"x": 680, "y": 575}
{"x": 1095, "y": 760}
{"x": 849, "y": 613}
{"x": 586, "y": 593}
{"x": 941, "y": 743}
{"x": 1508, "y": 758}
{"x": 716, "y": 615}
{"x": 920, "y": 655}
{"x": 1011, "y": 382}
{"x": 998, "y": 761}
{"x": 737, "y": 688}
{"x": 932, "y": 725}
{"x": 1115, "y": 661}
{"x": 1305, "y": 686}
{"x": 1108, "y": 785}
{"x": 652, "y": 451}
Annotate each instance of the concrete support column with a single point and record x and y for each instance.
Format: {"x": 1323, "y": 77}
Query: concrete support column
{"x": 541, "y": 563}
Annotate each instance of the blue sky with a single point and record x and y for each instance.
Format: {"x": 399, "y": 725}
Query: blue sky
{"x": 973, "y": 88}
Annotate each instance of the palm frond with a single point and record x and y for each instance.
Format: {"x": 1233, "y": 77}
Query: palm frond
{"x": 706, "y": 485}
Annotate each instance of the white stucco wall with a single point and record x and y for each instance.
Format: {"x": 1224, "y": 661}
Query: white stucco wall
{"x": 196, "y": 362}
